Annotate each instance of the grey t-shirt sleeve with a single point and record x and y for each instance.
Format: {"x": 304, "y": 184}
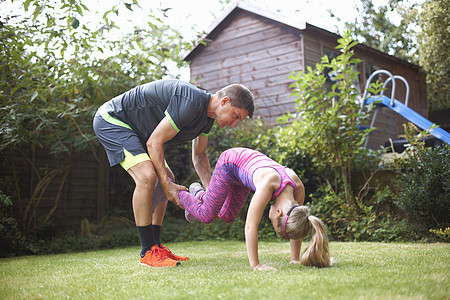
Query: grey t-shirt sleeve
{"x": 183, "y": 112}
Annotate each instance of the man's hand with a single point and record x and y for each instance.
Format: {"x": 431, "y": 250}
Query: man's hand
{"x": 171, "y": 192}
{"x": 262, "y": 267}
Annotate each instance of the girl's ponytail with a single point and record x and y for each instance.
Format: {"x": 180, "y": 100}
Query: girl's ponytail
{"x": 317, "y": 253}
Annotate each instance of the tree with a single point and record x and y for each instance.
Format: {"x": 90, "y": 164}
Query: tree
{"x": 327, "y": 122}
{"x": 420, "y": 37}
{"x": 375, "y": 28}
{"x": 327, "y": 130}
{"x": 56, "y": 71}
{"x": 434, "y": 45}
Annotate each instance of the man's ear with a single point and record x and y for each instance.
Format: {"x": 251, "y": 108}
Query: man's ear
{"x": 225, "y": 100}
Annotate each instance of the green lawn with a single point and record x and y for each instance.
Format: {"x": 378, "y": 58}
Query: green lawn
{"x": 219, "y": 269}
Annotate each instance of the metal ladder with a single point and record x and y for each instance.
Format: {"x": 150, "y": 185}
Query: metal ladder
{"x": 391, "y": 78}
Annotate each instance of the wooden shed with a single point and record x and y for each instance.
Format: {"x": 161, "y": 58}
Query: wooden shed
{"x": 260, "y": 49}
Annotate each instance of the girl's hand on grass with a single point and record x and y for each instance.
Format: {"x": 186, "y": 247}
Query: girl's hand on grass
{"x": 262, "y": 267}
{"x": 294, "y": 261}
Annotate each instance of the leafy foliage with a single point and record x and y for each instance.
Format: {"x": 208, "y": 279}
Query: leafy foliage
{"x": 327, "y": 129}
{"x": 425, "y": 185}
{"x": 327, "y": 124}
{"x": 434, "y": 42}
{"x": 56, "y": 71}
{"x": 11, "y": 238}
{"x": 375, "y": 28}
{"x": 443, "y": 234}
{"x": 374, "y": 218}
{"x": 420, "y": 36}
{"x": 177, "y": 230}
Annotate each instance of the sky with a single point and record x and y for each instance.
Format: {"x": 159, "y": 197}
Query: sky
{"x": 201, "y": 14}
{"x": 193, "y": 16}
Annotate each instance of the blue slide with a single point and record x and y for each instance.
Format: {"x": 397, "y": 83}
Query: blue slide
{"x": 410, "y": 115}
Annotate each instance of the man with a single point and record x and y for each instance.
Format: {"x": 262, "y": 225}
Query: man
{"x": 133, "y": 128}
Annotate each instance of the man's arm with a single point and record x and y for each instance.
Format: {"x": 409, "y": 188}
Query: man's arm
{"x": 200, "y": 159}
{"x": 155, "y": 145}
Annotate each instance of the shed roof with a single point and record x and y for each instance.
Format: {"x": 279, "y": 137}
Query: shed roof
{"x": 299, "y": 24}
{"x": 241, "y": 5}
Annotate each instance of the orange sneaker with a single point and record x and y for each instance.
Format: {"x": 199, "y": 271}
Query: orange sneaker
{"x": 171, "y": 255}
{"x": 157, "y": 257}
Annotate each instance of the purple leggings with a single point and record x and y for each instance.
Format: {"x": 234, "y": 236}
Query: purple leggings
{"x": 225, "y": 197}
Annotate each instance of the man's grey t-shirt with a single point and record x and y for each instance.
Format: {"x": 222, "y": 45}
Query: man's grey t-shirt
{"x": 144, "y": 106}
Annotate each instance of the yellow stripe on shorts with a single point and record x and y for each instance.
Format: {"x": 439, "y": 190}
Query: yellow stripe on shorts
{"x": 132, "y": 160}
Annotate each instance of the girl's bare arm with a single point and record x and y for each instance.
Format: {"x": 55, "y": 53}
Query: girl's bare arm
{"x": 255, "y": 211}
{"x": 296, "y": 245}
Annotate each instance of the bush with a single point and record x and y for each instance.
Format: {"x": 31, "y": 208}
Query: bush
{"x": 110, "y": 232}
{"x": 442, "y": 234}
{"x": 394, "y": 229}
{"x": 375, "y": 217}
{"x": 11, "y": 239}
{"x": 178, "y": 230}
{"x": 425, "y": 186}
{"x": 345, "y": 220}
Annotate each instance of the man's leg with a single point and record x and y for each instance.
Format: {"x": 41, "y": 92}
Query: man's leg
{"x": 160, "y": 211}
{"x": 160, "y": 201}
{"x": 157, "y": 220}
{"x": 144, "y": 176}
{"x": 116, "y": 136}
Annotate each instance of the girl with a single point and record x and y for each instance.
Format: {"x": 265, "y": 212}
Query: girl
{"x": 240, "y": 170}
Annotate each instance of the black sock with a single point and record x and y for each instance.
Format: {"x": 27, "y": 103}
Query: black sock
{"x": 156, "y": 234}
{"x": 146, "y": 237}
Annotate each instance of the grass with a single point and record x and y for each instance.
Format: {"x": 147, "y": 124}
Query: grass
{"x": 219, "y": 269}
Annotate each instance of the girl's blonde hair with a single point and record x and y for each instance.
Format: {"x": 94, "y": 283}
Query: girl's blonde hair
{"x": 298, "y": 226}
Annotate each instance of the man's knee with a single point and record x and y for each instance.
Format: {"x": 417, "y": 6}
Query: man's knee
{"x": 144, "y": 176}
{"x": 147, "y": 179}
